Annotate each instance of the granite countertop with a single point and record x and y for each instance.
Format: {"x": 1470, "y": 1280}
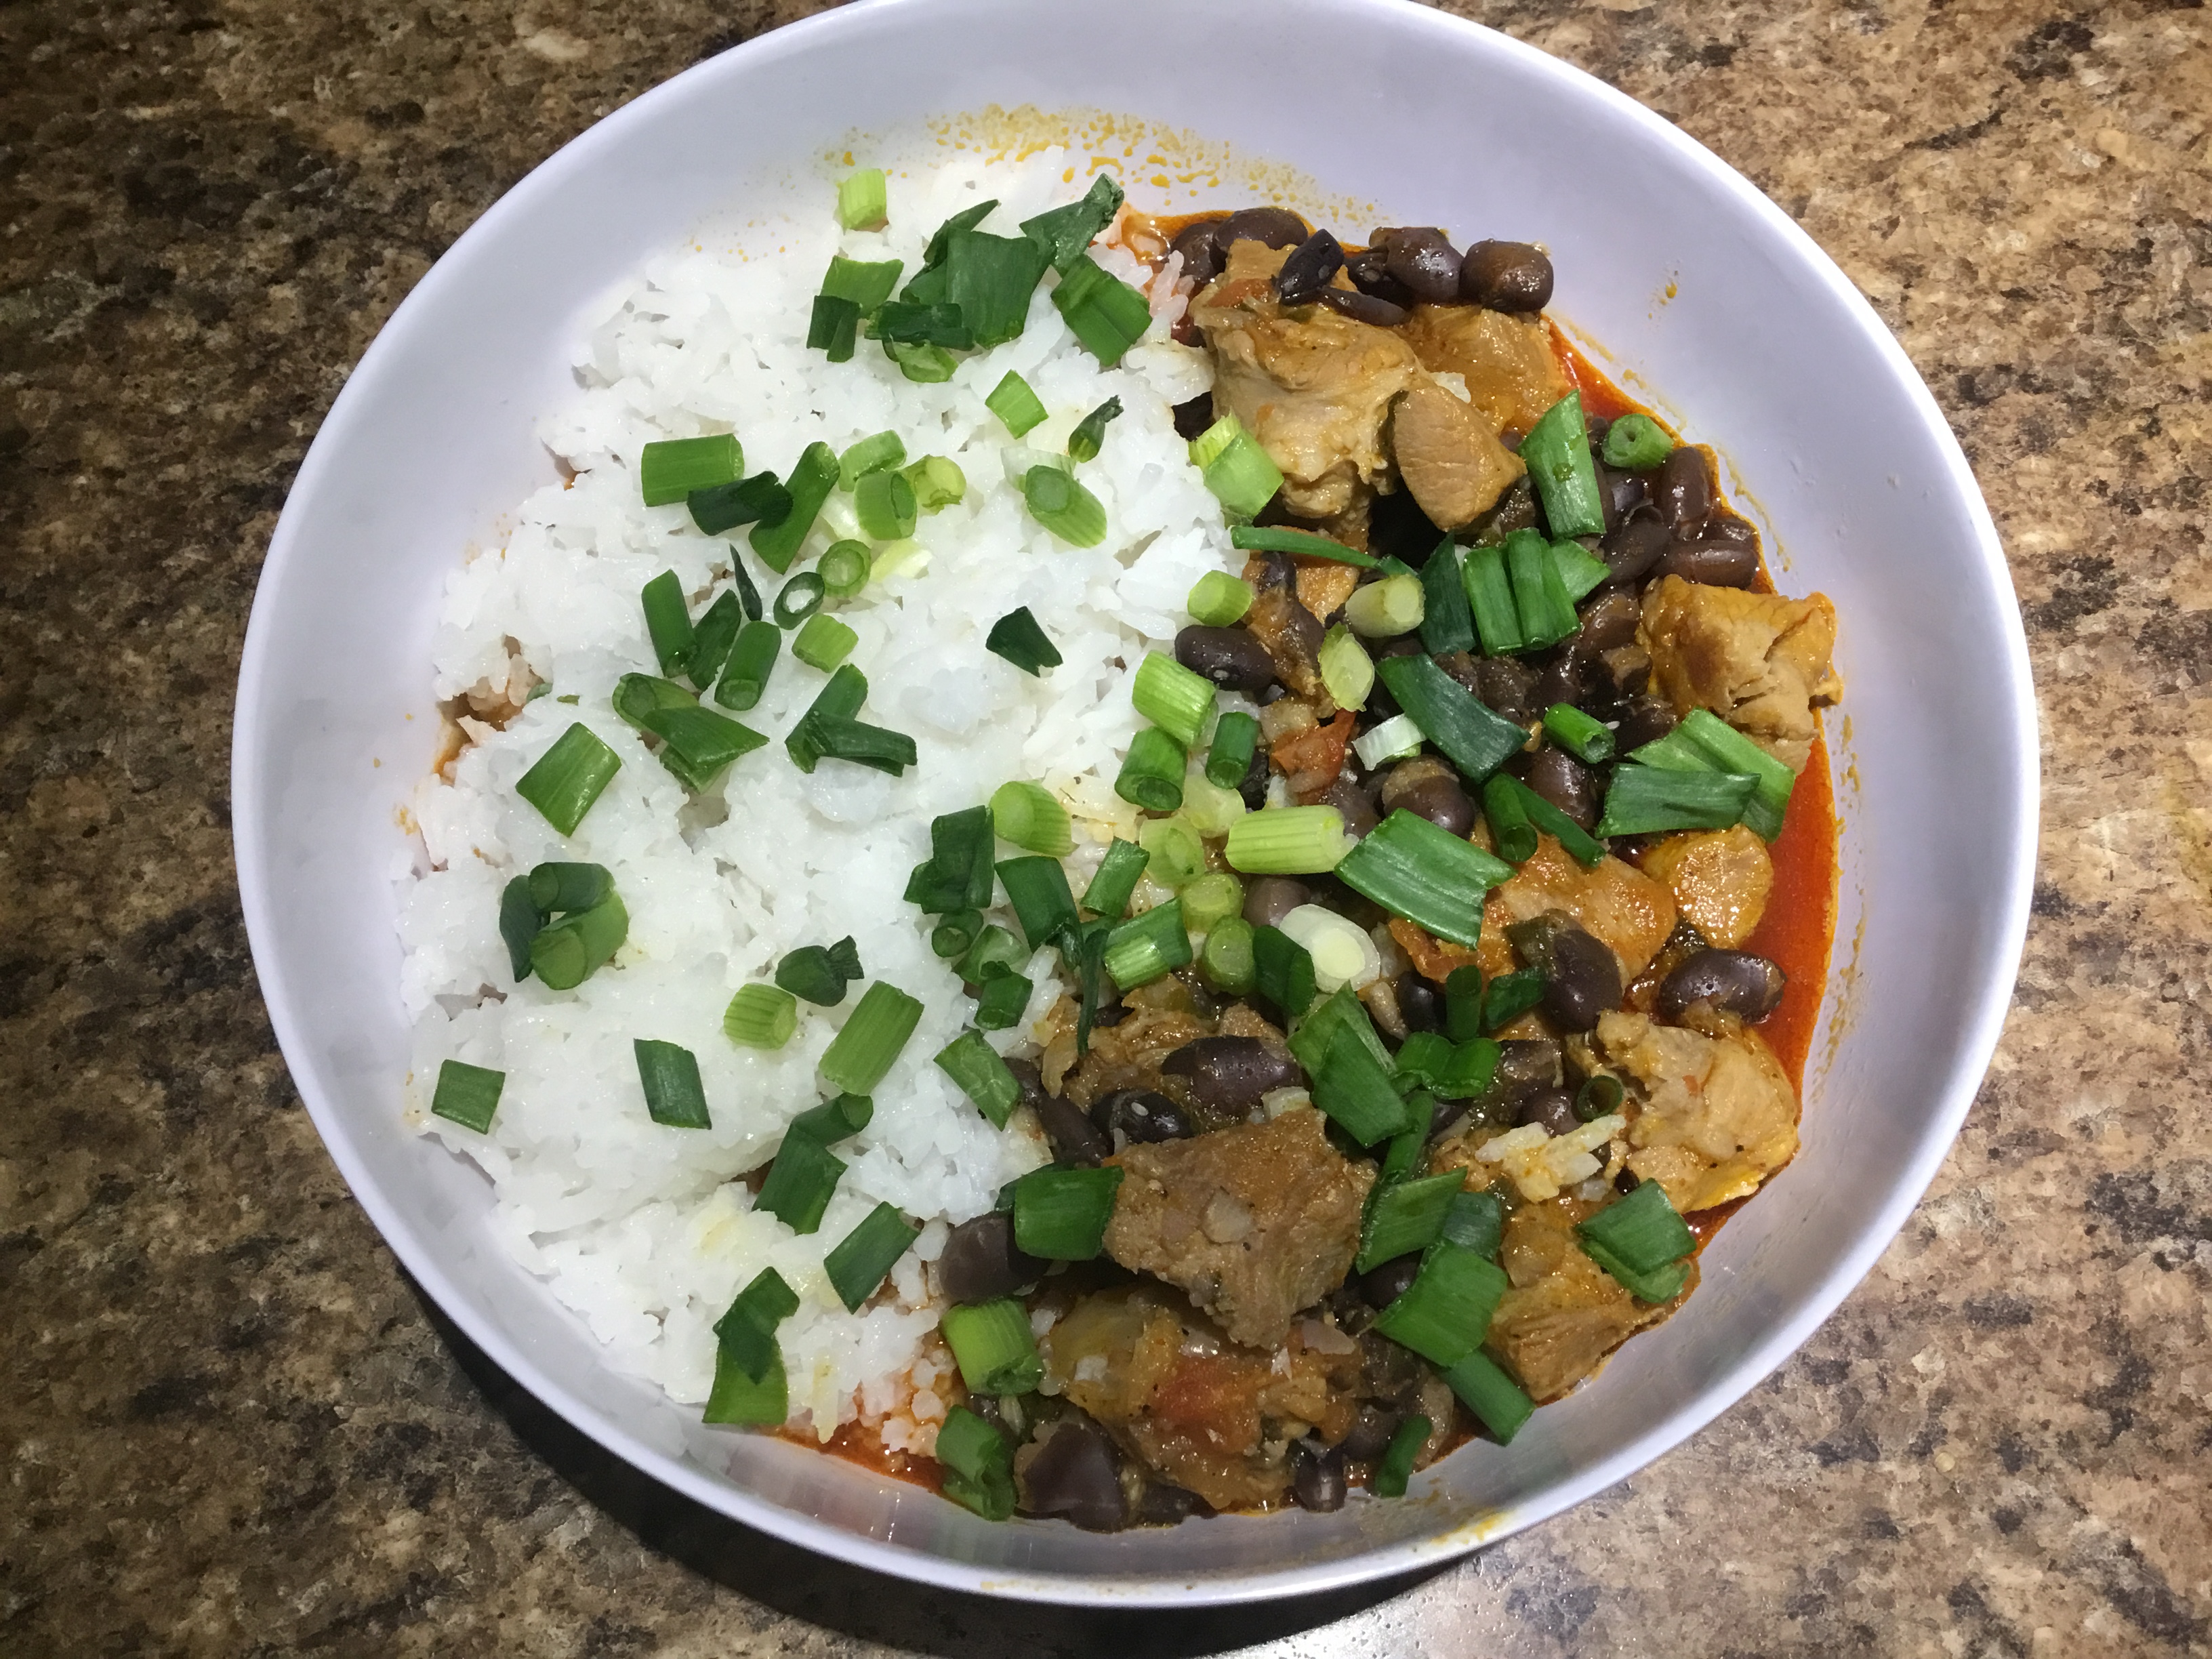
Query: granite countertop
{"x": 230, "y": 1425}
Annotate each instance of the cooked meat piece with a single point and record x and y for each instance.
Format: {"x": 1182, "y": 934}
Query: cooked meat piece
{"x": 1125, "y": 1056}
{"x": 1506, "y": 361}
{"x": 1202, "y": 1413}
{"x": 1720, "y": 880}
{"x": 1432, "y": 958}
{"x": 1759, "y": 661}
{"x": 1617, "y": 902}
{"x": 1718, "y": 1114}
{"x": 1448, "y": 456}
{"x": 1255, "y": 1222}
{"x": 1322, "y": 585}
{"x": 1563, "y": 1313}
{"x": 1312, "y": 759}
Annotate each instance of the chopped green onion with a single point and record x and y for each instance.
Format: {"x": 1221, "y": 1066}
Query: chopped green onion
{"x": 1240, "y": 473}
{"x": 1220, "y": 599}
{"x": 994, "y": 950}
{"x": 925, "y": 365}
{"x": 866, "y": 283}
{"x": 1119, "y": 872}
{"x": 1405, "y": 1217}
{"x": 570, "y": 951}
{"x": 967, "y": 218}
{"x": 991, "y": 278}
{"x": 1028, "y": 815}
{"x": 1065, "y": 232}
{"x": 1581, "y": 845}
{"x": 1342, "y": 953}
{"x": 1089, "y": 434}
{"x": 840, "y": 699}
{"x": 1228, "y": 961}
{"x": 467, "y": 1095}
{"x": 1061, "y": 1215}
{"x": 637, "y": 696}
{"x": 698, "y": 745}
{"x": 669, "y": 471}
{"x": 1579, "y": 573}
{"x": 1469, "y": 734}
{"x": 819, "y": 973}
{"x": 992, "y": 1345}
{"x": 1152, "y": 773}
{"x": 667, "y": 621}
{"x": 824, "y": 641}
{"x": 1004, "y": 996}
{"x": 1064, "y": 507}
{"x": 744, "y": 677}
{"x": 670, "y": 1076}
{"x": 800, "y": 1182}
{"x": 1588, "y": 740}
{"x": 1384, "y": 609}
{"x": 761, "y": 1017}
{"x": 1463, "y": 1002}
{"x": 978, "y": 1464}
{"x": 1557, "y": 454}
{"x": 1508, "y": 996}
{"x": 1422, "y": 1056}
{"x": 1208, "y": 808}
{"x": 871, "y": 454}
{"x": 572, "y": 774}
{"x": 863, "y": 200}
{"x": 748, "y": 595}
{"x": 938, "y": 482}
{"x": 1211, "y": 900}
{"x": 860, "y": 1262}
{"x": 1016, "y": 637}
{"x": 746, "y": 1331}
{"x": 1705, "y": 742}
{"x": 520, "y": 919}
{"x": 1396, "y": 738}
{"x": 1177, "y": 855}
{"x": 1646, "y": 800}
{"x": 955, "y": 932}
{"x": 858, "y": 1056}
{"x": 1351, "y": 1080}
{"x": 958, "y": 874}
{"x": 901, "y": 322}
{"x": 1037, "y": 888}
{"x": 558, "y": 888}
{"x": 1511, "y": 833}
{"x": 1141, "y": 950}
{"x": 1288, "y": 841}
{"x": 1275, "y": 539}
{"x": 834, "y": 1119}
{"x": 970, "y": 1061}
{"x": 1104, "y": 311}
{"x": 1403, "y": 1154}
{"x": 833, "y": 328}
{"x": 813, "y": 476}
{"x": 1490, "y": 597}
{"x": 1469, "y": 1071}
{"x": 1283, "y": 971}
{"x": 762, "y": 1401}
{"x": 874, "y": 746}
{"x": 1172, "y": 697}
{"x": 745, "y": 501}
{"x": 1347, "y": 673}
{"x": 1636, "y": 443}
{"x": 1016, "y": 406}
{"x": 1396, "y": 1467}
{"x": 1598, "y": 1096}
{"x": 1236, "y": 737}
{"x": 1642, "y": 1232}
{"x": 1476, "y": 1221}
{"x": 1539, "y": 598}
{"x": 1447, "y": 623}
{"x": 884, "y": 504}
{"x": 1496, "y": 1401}
{"x": 1446, "y": 1313}
{"x": 717, "y": 632}
{"x": 844, "y": 569}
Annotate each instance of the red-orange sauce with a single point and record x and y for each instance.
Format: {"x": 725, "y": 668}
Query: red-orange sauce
{"x": 859, "y": 1445}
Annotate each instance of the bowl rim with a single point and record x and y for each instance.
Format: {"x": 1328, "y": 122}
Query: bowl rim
{"x": 1980, "y": 1029}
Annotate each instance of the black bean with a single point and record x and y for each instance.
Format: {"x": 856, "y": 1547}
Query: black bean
{"x": 1075, "y": 1139}
{"x": 1642, "y": 720}
{"x": 1683, "y": 490}
{"x": 1355, "y": 803}
{"x": 1560, "y": 680}
{"x": 1383, "y": 1285}
{"x": 1317, "y": 1477}
{"x": 1622, "y": 674}
{"x": 1526, "y": 1061}
{"x": 1276, "y": 226}
{"x": 1141, "y": 1115}
{"x": 1372, "y": 1433}
{"x": 1194, "y": 417}
{"x": 1112, "y": 1012}
{"x": 1421, "y": 1005}
{"x": 1276, "y": 570}
{"x": 1030, "y": 1076}
{"x": 982, "y": 1263}
{"x": 1633, "y": 546}
{"x": 1608, "y": 620}
{"x": 1369, "y": 270}
{"x": 1420, "y": 258}
{"x": 1500, "y": 682}
{"x": 1565, "y": 782}
{"x": 1362, "y": 307}
{"x": 1429, "y": 788}
{"x": 1164, "y": 1505}
{"x": 1715, "y": 564}
{"x": 1622, "y": 493}
{"x": 1554, "y": 1108}
{"x": 1270, "y": 898}
{"x": 1232, "y": 658}
{"x": 1506, "y": 277}
{"x": 1202, "y": 248}
{"x": 1230, "y": 1073}
{"x": 1077, "y": 1473}
{"x": 1252, "y": 787}
{"x": 1308, "y": 269}
{"x": 1582, "y": 981}
{"x": 1734, "y": 981}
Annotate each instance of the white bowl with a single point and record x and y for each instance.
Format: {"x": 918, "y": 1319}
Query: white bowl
{"x": 1707, "y": 300}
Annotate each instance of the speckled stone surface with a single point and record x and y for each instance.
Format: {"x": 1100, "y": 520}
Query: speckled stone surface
{"x": 228, "y": 1423}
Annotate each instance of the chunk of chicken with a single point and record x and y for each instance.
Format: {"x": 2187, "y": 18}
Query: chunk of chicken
{"x": 1448, "y": 456}
{"x": 1759, "y": 661}
{"x": 1255, "y": 1222}
{"x": 1616, "y": 902}
{"x": 1720, "y": 878}
{"x": 1718, "y": 1114}
{"x": 1563, "y": 1314}
{"x": 1506, "y": 361}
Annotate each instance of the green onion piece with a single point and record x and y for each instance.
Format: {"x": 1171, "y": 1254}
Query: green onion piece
{"x": 1407, "y": 1216}
{"x": 669, "y": 471}
{"x": 1346, "y": 671}
{"x": 1208, "y": 808}
{"x": 996, "y": 950}
{"x": 1288, "y": 841}
{"x": 1446, "y": 1313}
{"x": 1037, "y": 888}
{"x": 1422, "y": 1058}
{"x": 811, "y": 972}
{"x": 925, "y": 365}
{"x": 967, "y": 219}
{"x": 520, "y": 919}
{"x": 863, "y": 1258}
{"x": 637, "y": 696}
{"x": 1219, "y": 599}
{"x": 761, "y": 1017}
{"x": 572, "y": 774}
{"x": 1499, "y": 1403}
{"x": 1028, "y": 815}
{"x": 570, "y": 951}
{"x": 1646, "y": 800}
{"x": 800, "y": 1182}
{"x": 974, "y": 1063}
{"x": 1104, "y": 311}
{"x": 1003, "y": 997}
{"x": 1396, "y": 1467}
{"x": 667, "y": 621}
{"x": 1468, "y": 1073}
{"x": 955, "y": 932}
{"x": 1242, "y": 476}
{"x": 1658, "y": 1285}
{"x": 1228, "y": 961}
{"x": 1064, "y": 507}
{"x": 1384, "y": 609}
{"x": 884, "y": 504}
{"x": 670, "y": 1076}
{"x": 761, "y": 1401}
{"x": 1636, "y": 443}
{"x": 1089, "y": 434}
{"x": 1579, "y": 573}
{"x": 710, "y": 644}
{"x": 1172, "y": 697}
{"x": 744, "y": 677}
{"x": 844, "y": 569}
{"x": 813, "y": 476}
{"x": 746, "y": 1330}
{"x": 1447, "y": 623}
{"x": 1557, "y": 454}
{"x": 844, "y": 956}
{"x": 1642, "y": 1232}
{"x": 1236, "y": 737}
{"x": 991, "y": 1343}
{"x": 863, "y": 200}
{"x": 833, "y": 328}
{"x": 978, "y": 1464}
{"x": 1152, "y": 773}
{"x": 1475, "y": 1221}
{"x": 874, "y": 746}
{"x": 1211, "y": 900}
{"x": 1283, "y": 970}
{"x": 759, "y": 498}
{"x": 1065, "y": 232}
{"x": 1490, "y": 597}
{"x": 1581, "y": 845}
{"x": 958, "y": 874}
{"x": 1706, "y": 741}
{"x": 1469, "y": 734}
{"x": 991, "y": 278}
{"x": 1275, "y": 539}
{"x": 938, "y": 482}
{"x": 840, "y": 699}
{"x": 558, "y": 888}
{"x": 1588, "y": 740}
{"x": 866, "y": 283}
{"x": 1508, "y": 996}
{"x": 1016, "y": 406}
{"x": 1396, "y": 738}
{"x": 1061, "y": 1215}
{"x": 1463, "y": 1003}
{"x": 1119, "y": 872}
{"x": 1403, "y": 1154}
{"x": 1141, "y": 950}
{"x": 748, "y": 595}
{"x": 901, "y": 322}
{"x": 858, "y": 1056}
{"x": 1598, "y": 1096}
{"x": 834, "y": 1119}
{"x": 1016, "y": 637}
{"x": 1355, "y": 1088}
{"x": 871, "y": 454}
{"x": 824, "y": 641}
{"x": 1510, "y": 832}
{"x": 1541, "y": 602}
{"x": 467, "y": 1095}
{"x": 698, "y": 745}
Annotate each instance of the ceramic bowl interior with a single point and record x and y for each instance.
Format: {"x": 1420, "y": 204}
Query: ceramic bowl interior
{"x": 1702, "y": 297}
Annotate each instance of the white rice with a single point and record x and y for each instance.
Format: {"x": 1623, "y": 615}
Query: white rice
{"x": 643, "y": 1230}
